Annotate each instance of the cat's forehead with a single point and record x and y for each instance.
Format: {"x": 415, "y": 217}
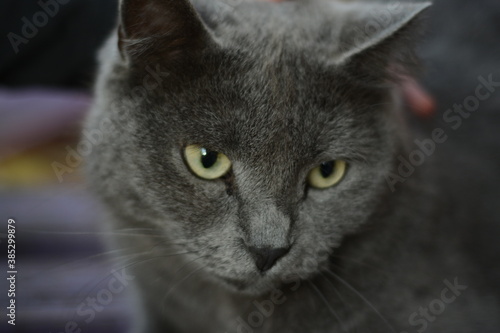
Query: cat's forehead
{"x": 279, "y": 108}
{"x": 267, "y": 82}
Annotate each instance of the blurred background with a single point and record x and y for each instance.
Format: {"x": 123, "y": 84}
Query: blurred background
{"x": 47, "y": 66}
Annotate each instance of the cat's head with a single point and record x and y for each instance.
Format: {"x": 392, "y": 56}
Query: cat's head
{"x": 257, "y": 135}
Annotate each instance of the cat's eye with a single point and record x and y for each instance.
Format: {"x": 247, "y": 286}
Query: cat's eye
{"x": 327, "y": 174}
{"x": 205, "y": 163}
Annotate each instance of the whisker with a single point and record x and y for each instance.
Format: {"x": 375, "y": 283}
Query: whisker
{"x": 89, "y": 233}
{"x": 356, "y": 292}
{"x": 109, "y": 254}
{"x": 325, "y": 301}
{"x": 187, "y": 263}
{"x": 80, "y": 293}
{"x": 337, "y": 292}
{"x": 130, "y": 265}
{"x": 157, "y": 257}
{"x": 75, "y": 262}
{"x": 84, "y": 295}
{"x": 181, "y": 281}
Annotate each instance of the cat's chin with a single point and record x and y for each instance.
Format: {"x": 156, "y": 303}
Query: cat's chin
{"x": 255, "y": 287}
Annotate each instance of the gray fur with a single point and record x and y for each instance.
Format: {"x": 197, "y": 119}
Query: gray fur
{"x": 279, "y": 89}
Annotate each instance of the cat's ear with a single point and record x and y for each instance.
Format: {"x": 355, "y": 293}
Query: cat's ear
{"x": 376, "y": 40}
{"x": 169, "y": 30}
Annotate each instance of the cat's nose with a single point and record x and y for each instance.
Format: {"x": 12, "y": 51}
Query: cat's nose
{"x": 266, "y": 257}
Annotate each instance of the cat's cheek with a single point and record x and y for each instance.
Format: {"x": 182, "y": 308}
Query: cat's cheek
{"x": 319, "y": 198}
{"x": 315, "y": 238}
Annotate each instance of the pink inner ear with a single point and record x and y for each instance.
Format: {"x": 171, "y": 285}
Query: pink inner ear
{"x": 421, "y": 103}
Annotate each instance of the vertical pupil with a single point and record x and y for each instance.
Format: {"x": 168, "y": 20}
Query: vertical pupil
{"x": 327, "y": 168}
{"x": 208, "y": 158}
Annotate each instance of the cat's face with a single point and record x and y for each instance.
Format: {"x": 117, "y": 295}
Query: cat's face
{"x": 274, "y": 116}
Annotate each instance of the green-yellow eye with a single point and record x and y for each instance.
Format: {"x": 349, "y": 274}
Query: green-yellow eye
{"x": 205, "y": 163}
{"x": 327, "y": 174}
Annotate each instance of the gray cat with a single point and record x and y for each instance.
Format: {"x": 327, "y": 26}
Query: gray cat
{"x": 252, "y": 151}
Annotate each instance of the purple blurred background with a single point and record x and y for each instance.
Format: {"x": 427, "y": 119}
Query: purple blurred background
{"x": 45, "y": 92}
